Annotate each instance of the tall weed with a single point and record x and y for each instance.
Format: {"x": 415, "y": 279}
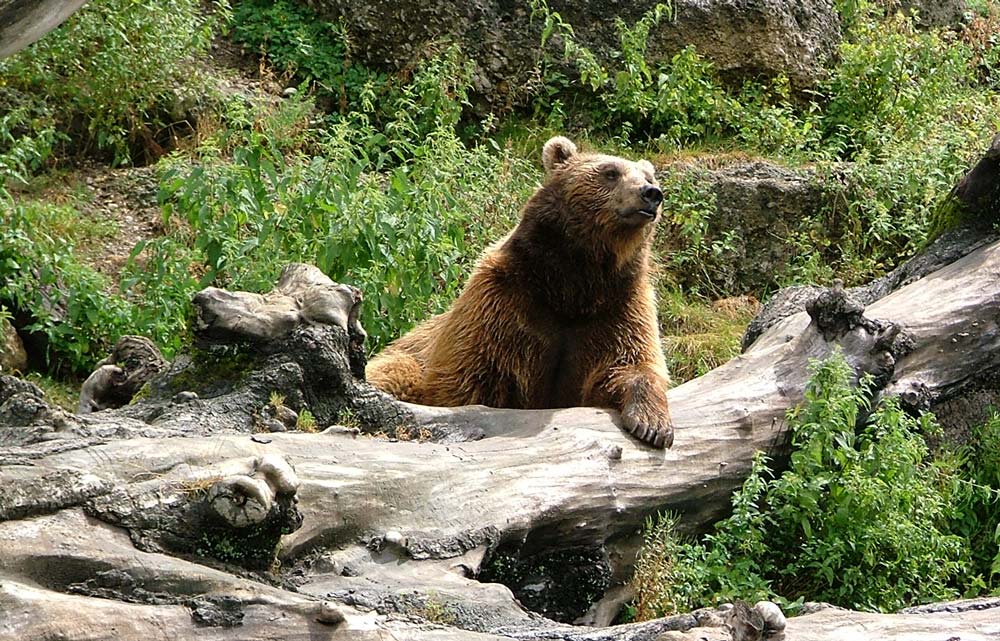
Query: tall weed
{"x": 116, "y": 76}
{"x": 41, "y": 274}
{"x": 399, "y": 210}
{"x": 317, "y": 52}
{"x": 975, "y": 492}
{"x": 890, "y": 80}
{"x": 861, "y": 518}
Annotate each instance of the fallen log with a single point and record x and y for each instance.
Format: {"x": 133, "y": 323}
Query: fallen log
{"x": 196, "y": 511}
{"x": 402, "y": 527}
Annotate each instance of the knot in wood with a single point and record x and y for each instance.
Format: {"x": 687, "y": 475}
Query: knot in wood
{"x": 835, "y": 313}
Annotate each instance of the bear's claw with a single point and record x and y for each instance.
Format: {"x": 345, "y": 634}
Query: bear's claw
{"x": 652, "y": 427}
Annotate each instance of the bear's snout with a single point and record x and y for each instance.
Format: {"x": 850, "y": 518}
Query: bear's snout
{"x": 652, "y": 195}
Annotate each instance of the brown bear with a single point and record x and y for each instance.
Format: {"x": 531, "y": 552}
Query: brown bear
{"x": 559, "y": 313}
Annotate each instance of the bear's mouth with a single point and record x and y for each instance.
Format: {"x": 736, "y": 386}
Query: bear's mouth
{"x": 638, "y": 216}
{"x": 647, "y": 213}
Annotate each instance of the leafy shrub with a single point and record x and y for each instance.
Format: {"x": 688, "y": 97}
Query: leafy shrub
{"x": 975, "y": 495}
{"x": 680, "y": 99}
{"x": 316, "y": 51}
{"x": 862, "y": 513}
{"x": 982, "y": 36}
{"x": 879, "y": 210}
{"x": 405, "y": 235}
{"x": 399, "y": 210}
{"x": 859, "y": 519}
{"x": 115, "y": 76}
{"x": 24, "y": 146}
{"x": 683, "y": 241}
{"x": 890, "y": 78}
{"x": 42, "y": 275}
{"x": 80, "y": 312}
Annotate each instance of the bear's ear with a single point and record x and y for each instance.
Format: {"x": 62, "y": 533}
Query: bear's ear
{"x": 557, "y": 151}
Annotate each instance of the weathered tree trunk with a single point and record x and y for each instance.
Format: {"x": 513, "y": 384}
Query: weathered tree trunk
{"x": 183, "y": 515}
{"x": 25, "y": 21}
{"x": 400, "y": 527}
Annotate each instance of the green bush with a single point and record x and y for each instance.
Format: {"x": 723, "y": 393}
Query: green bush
{"x": 79, "y": 311}
{"x": 879, "y": 210}
{"x": 116, "y": 76}
{"x": 318, "y": 54}
{"x": 399, "y": 210}
{"x": 24, "y": 145}
{"x": 975, "y": 493}
{"x": 890, "y": 79}
{"x": 315, "y": 51}
{"x": 405, "y": 234}
{"x": 680, "y": 100}
{"x": 41, "y": 275}
{"x": 862, "y": 517}
{"x": 683, "y": 241}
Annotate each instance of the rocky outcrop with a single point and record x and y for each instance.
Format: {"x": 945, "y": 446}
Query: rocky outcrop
{"x": 755, "y": 38}
{"x": 744, "y": 39}
{"x": 753, "y": 213}
{"x": 948, "y": 14}
{"x": 13, "y": 358}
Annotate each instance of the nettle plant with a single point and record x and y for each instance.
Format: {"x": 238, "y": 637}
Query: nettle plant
{"x": 117, "y": 76}
{"x": 399, "y": 210}
{"x": 863, "y": 516}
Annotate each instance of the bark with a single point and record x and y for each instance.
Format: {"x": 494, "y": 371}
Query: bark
{"x": 25, "y": 21}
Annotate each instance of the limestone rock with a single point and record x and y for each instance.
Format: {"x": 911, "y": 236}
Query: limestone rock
{"x": 758, "y": 209}
{"x": 937, "y": 13}
{"x": 756, "y": 38}
{"x": 742, "y": 38}
{"x": 13, "y": 358}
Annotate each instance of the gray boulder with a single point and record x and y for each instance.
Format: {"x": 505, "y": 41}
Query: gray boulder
{"x": 751, "y": 38}
{"x": 744, "y": 38}
{"x": 748, "y": 235}
{"x": 937, "y": 13}
{"x": 13, "y": 358}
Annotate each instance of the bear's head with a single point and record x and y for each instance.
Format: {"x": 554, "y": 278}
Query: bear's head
{"x": 607, "y": 192}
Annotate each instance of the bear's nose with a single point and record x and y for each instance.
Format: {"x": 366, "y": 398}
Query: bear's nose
{"x": 652, "y": 195}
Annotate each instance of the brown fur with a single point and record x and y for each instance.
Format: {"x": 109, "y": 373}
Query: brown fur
{"x": 559, "y": 313}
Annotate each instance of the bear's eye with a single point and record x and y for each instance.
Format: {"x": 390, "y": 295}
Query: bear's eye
{"x": 611, "y": 173}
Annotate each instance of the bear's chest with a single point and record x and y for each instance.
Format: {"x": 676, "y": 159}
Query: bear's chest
{"x": 564, "y": 355}
{"x": 564, "y": 370}
{"x": 573, "y": 304}
{"x": 573, "y": 292}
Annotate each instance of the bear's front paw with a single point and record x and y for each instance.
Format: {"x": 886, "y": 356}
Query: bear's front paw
{"x": 648, "y": 424}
